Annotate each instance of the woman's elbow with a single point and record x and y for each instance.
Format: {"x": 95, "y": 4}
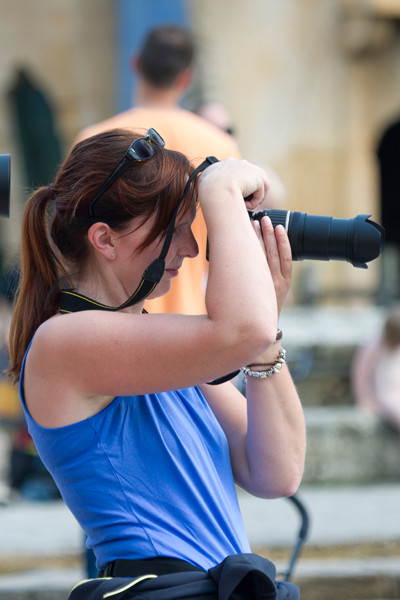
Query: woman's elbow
{"x": 292, "y": 478}
{"x": 280, "y": 486}
{"x": 257, "y": 336}
{"x": 289, "y": 487}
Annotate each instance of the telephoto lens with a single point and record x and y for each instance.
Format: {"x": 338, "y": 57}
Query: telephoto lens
{"x": 357, "y": 240}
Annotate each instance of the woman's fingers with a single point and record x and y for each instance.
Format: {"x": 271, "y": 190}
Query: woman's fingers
{"x": 285, "y": 251}
{"x": 277, "y": 246}
{"x": 251, "y": 180}
{"x": 279, "y": 257}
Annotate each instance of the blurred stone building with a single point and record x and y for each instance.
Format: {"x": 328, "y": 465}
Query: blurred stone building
{"x": 310, "y": 84}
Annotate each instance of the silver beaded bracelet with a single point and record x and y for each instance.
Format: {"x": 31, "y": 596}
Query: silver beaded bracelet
{"x": 273, "y": 370}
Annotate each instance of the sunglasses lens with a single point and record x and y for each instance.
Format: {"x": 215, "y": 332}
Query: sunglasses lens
{"x": 155, "y": 137}
{"x": 141, "y": 149}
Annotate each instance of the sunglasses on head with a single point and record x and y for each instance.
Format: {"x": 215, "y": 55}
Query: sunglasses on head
{"x": 141, "y": 149}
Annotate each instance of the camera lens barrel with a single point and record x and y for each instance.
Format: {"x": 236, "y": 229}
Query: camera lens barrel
{"x": 357, "y": 240}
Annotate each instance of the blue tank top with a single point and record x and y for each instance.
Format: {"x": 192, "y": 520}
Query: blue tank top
{"x": 148, "y": 476}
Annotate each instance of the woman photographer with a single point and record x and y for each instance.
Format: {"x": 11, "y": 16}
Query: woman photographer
{"x": 144, "y": 451}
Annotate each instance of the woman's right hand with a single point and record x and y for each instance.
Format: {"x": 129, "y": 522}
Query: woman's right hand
{"x": 237, "y": 175}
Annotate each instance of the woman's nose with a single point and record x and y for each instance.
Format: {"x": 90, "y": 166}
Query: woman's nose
{"x": 190, "y": 247}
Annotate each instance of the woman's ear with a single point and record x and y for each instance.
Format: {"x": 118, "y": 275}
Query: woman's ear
{"x": 100, "y": 236}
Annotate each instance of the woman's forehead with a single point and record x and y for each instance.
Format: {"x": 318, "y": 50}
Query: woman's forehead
{"x": 187, "y": 213}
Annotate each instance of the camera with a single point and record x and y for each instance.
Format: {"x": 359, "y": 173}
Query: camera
{"x": 357, "y": 240}
{"x": 4, "y": 185}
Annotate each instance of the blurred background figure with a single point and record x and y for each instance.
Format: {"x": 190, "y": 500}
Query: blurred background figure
{"x": 376, "y": 372}
{"x": 164, "y": 69}
{"x": 34, "y": 122}
{"x": 216, "y": 113}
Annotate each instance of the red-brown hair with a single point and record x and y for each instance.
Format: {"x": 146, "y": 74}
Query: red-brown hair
{"x": 56, "y": 220}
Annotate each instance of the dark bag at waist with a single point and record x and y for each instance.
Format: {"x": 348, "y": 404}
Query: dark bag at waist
{"x": 159, "y": 565}
{"x": 238, "y": 577}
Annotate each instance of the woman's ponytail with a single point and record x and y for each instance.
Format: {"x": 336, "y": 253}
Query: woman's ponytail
{"x": 38, "y": 292}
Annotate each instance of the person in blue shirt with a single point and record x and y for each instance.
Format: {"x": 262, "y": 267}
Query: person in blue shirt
{"x": 123, "y": 405}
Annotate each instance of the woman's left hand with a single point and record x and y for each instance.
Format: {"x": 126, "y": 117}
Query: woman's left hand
{"x": 279, "y": 256}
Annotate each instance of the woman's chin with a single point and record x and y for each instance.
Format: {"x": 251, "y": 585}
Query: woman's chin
{"x": 160, "y": 290}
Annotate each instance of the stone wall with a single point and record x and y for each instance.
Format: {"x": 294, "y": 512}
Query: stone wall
{"x": 310, "y": 86}
{"x": 68, "y": 47}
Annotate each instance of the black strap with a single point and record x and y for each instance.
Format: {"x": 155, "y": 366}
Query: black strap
{"x": 71, "y": 301}
{"x": 159, "y": 565}
{"x": 224, "y": 378}
{"x": 206, "y": 163}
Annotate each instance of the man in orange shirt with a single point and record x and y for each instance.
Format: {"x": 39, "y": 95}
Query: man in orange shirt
{"x": 165, "y": 72}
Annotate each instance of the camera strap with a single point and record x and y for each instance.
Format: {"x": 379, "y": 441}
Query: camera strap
{"x": 71, "y": 301}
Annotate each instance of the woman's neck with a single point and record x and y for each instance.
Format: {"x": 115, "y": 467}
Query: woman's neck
{"x": 112, "y": 299}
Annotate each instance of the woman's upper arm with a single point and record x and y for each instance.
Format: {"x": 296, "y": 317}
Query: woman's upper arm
{"x": 100, "y": 353}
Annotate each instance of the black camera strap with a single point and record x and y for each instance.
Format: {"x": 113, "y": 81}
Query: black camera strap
{"x": 71, "y": 301}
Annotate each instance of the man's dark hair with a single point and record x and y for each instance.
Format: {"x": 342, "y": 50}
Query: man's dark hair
{"x": 166, "y": 52}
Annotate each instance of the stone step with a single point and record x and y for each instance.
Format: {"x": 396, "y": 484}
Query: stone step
{"x": 321, "y": 342}
{"x": 357, "y": 579}
{"x": 347, "y": 446}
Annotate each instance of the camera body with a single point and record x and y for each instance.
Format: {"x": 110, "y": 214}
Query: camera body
{"x": 357, "y": 240}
